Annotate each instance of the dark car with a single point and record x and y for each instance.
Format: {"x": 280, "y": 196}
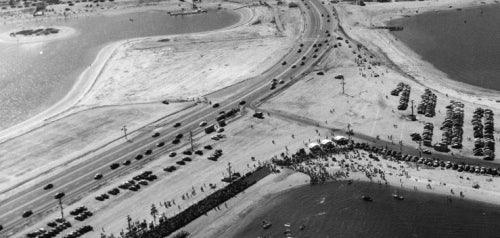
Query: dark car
{"x": 160, "y": 144}
{"x": 148, "y": 152}
{"x": 156, "y": 134}
{"x": 284, "y": 63}
{"x": 114, "y": 165}
{"x": 27, "y": 213}
{"x": 126, "y": 162}
{"x": 138, "y": 157}
{"x": 215, "y": 105}
{"x": 176, "y": 141}
{"x": 172, "y": 154}
{"x": 294, "y": 66}
{"x": 178, "y": 136}
{"x": 243, "y": 102}
{"x": 48, "y": 186}
{"x": 59, "y": 195}
{"x": 98, "y": 176}
{"x": 177, "y": 124}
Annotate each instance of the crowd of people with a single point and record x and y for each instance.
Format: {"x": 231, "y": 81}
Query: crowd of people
{"x": 167, "y": 226}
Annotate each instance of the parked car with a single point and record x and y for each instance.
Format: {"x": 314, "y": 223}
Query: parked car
{"x": 177, "y": 124}
{"x": 114, "y": 165}
{"x": 98, "y": 176}
{"x": 160, "y": 144}
{"x": 126, "y": 162}
{"x": 156, "y": 134}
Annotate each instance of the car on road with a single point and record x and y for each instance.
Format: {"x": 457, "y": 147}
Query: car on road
{"x": 148, "y": 152}
{"x": 59, "y": 195}
{"x": 177, "y": 124}
{"x": 156, "y": 134}
{"x": 172, "y": 154}
{"x": 302, "y": 63}
{"x": 315, "y": 56}
{"x": 126, "y": 162}
{"x": 48, "y": 186}
{"x": 304, "y": 58}
{"x": 187, "y": 152}
{"x": 284, "y": 63}
{"x": 98, "y": 176}
{"x": 138, "y": 157}
{"x": 203, "y": 123}
{"x": 294, "y": 66}
{"x": 27, "y": 213}
{"x": 114, "y": 165}
{"x": 273, "y": 87}
{"x": 176, "y": 141}
{"x": 1, "y": 227}
{"x": 242, "y": 102}
{"x": 426, "y": 151}
{"x": 282, "y": 81}
{"x": 160, "y": 144}
{"x": 215, "y": 105}
{"x": 178, "y": 136}
{"x": 301, "y": 44}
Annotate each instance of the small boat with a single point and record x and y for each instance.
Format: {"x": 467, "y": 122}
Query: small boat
{"x": 367, "y": 198}
{"x": 287, "y": 224}
{"x": 397, "y": 196}
{"x": 266, "y": 224}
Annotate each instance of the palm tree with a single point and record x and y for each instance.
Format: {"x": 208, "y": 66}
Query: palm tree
{"x": 154, "y": 212}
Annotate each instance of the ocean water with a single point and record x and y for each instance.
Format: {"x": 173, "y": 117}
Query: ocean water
{"x": 463, "y": 44}
{"x": 35, "y": 76}
{"x": 336, "y": 210}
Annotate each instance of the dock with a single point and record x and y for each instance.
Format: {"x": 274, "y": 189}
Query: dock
{"x": 189, "y": 12}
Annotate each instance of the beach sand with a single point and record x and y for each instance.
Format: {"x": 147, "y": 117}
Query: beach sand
{"x": 318, "y": 100}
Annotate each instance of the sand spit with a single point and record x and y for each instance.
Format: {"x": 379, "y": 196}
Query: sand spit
{"x": 96, "y": 100}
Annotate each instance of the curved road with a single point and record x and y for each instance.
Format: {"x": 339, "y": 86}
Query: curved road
{"x": 78, "y": 180}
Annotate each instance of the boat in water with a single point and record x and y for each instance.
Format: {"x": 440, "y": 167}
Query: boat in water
{"x": 266, "y": 224}
{"x": 367, "y": 198}
{"x": 397, "y": 196}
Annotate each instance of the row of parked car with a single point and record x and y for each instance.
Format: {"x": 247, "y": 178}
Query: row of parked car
{"x": 453, "y": 125}
{"x": 404, "y": 89}
{"x": 427, "y": 106}
{"x": 432, "y": 162}
{"x": 79, "y": 232}
{"x": 489, "y": 139}
{"x": 427, "y": 134}
{"x": 55, "y": 227}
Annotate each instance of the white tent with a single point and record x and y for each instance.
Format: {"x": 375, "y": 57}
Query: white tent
{"x": 326, "y": 142}
{"x": 339, "y": 138}
{"x": 313, "y": 145}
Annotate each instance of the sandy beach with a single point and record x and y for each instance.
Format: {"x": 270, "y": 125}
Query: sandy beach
{"x": 315, "y": 107}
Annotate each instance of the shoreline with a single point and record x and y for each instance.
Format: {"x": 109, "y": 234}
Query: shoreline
{"x": 403, "y": 57}
{"x": 89, "y": 76}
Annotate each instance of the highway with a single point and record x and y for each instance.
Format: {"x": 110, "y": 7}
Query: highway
{"x": 78, "y": 180}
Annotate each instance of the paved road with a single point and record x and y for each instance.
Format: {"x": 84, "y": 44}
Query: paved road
{"x": 78, "y": 180}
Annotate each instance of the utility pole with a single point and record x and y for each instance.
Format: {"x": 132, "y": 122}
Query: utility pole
{"x": 124, "y": 129}
{"x": 230, "y": 175}
{"x": 411, "y": 107}
{"x": 349, "y": 131}
{"x": 191, "y": 140}
{"x": 343, "y": 84}
{"x": 401, "y": 146}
